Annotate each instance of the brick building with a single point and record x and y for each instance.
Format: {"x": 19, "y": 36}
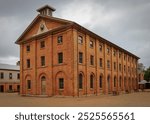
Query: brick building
{"x": 60, "y": 57}
{"x": 9, "y": 78}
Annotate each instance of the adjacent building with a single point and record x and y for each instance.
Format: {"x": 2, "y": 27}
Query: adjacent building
{"x": 9, "y": 78}
{"x": 60, "y": 57}
{"x": 140, "y": 68}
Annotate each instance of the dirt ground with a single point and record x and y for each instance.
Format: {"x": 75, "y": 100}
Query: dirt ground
{"x": 137, "y": 99}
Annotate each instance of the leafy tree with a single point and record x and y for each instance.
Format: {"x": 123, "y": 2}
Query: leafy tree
{"x": 147, "y": 74}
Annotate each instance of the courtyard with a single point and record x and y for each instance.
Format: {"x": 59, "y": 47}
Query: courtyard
{"x": 135, "y": 99}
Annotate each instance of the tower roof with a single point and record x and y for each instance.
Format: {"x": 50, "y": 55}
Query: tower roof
{"x": 45, "y": 7}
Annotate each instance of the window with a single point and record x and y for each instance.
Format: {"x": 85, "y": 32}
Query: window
{"x": 91, "y": 81}
{"x": 101, "y": 81}
{"x": 80, "y": 57}
{"x": 128, "y": 59}
{"x": 114, "y": 81}
{"x": 124, "y": 68}
{"x": 114, "y": 53}
{"x": 61, "y": 83}
{"x": 120, "y": 81}
{"x": 2, "y": 75}
{"x": 128, "y": 69}
{"x": 114, "y": 65}
{"x": 18, "y": 87}
{"x": 10, "y": 75}
{"x": 80, "y": 39}
{"x": 91, "y": 44}
{"x": 42, "y": 60}
{"x": 28, "y": 84}
{"x": 119, "y": 54}
{"x": 80, "y": 81}
{"x": 60, "y": 58}
{"x": 28, "y": 63}
{"x": 59, "y": 39}
{"x": 42, "y": 44}
{"x": 92, "y": 60}
{"x": 100, "y": 62}
{"x": 108, "y": 50}
{"x": 124, "y": 57}
{"x": 28, "y": 48}
{"x": 10, "y": 87}
{"x": 108, "y": 64}
{"x": 18, "y": 76}
{"x": 100, "y": 47}
{"x": 119, "y": 67}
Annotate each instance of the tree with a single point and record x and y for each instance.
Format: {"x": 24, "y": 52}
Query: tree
{"x": 147, "y": 74}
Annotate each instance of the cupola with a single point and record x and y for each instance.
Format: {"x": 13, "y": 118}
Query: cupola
{"x": 46, "y": 10}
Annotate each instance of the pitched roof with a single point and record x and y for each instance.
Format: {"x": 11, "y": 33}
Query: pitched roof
{"x": 42, "y": 16}
{"x": 9, "y": 67}
{"x": 75, "y": 25}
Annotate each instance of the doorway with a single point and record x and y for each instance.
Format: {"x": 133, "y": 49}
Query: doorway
{"x": 1, "y": 88}
{"x": 108, "y": 83}
{"x": 43, "y": 85}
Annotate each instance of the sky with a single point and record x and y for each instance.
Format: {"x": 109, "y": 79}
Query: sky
{"x": 123, "y": 22}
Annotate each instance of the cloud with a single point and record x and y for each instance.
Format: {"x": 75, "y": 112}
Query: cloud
{"x": 123, "y": 22}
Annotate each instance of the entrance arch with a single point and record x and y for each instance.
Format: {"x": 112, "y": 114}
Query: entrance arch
{"x": 43, "y": 85}
{"x": 108, "y": 83}
{"x": 1, "y": 88}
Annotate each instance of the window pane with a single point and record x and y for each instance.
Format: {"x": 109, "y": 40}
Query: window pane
{"x": 28, "y": 84}
{"x": 80, "y": 57}
{"x": 2, "y": 75}
{"x": 100, "y": 81}
{"x": 101, "y": 64}
{"x": 92, "y": 60}
{"x": 60, "y": 57}
{"x": 18, "y": 76}
{"x": 80, "y": 39}
{"x": 80, "y": 81}
{"x": 60, "y": 39}
{"x": 42, "y": 44}
{"x": 28, "y": 48}
{"x": 61, "y": 83}
{"x": 42, "y": 60}
{"x": 10, "y": 75}
{"x": 91, "y": 44}
{"x": 91, "y": 81}
{"x": 28, "y": 63}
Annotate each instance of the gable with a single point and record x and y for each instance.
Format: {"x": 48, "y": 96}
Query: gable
{"x": 40, "y": 25}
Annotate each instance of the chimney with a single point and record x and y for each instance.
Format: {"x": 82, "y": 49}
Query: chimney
{"x": 46, "y": 10}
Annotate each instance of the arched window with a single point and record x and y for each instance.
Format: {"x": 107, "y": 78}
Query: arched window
{"x": 101, "y": 81}
{"x": 125, "y": 82}
{"x": 43, "y": 85}
{"x": 108, "y": 82}
{"x": 91, "y": 81}
{"x": 120, "y": 81}
{"x": 114, "y": 81}
{"x": 43, "y": 78}
{"x": 80, "y": 81}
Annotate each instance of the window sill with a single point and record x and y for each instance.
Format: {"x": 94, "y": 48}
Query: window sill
{"x": 43, "y": 66}
{"x": 28, "y": 69}
{"x": 93, "y": 66}
{"x": 61, "y": 89}
{"x": 42, "y": 48}
{"x": 60, "y": 43}
{"x": 61, "y": 64}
